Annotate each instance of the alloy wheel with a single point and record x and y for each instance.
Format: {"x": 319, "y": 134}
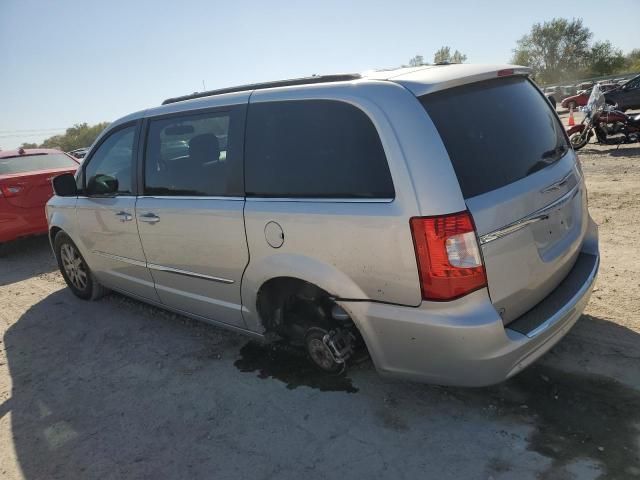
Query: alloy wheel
{"x": 74, "y": 266}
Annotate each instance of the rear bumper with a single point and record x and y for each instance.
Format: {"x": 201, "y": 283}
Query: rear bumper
{"x": 464, "y": 342}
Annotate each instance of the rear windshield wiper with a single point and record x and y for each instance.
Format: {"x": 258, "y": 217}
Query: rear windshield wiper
{"x": 555, "y": 154}
{"x": 548, "y": 157}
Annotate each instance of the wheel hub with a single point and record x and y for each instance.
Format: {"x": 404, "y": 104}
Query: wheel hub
{"x": 73, "y": 266}
{"x": 320, "y": 354}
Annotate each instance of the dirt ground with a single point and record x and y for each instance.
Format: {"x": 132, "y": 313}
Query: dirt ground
{"x": 116, "y": 389}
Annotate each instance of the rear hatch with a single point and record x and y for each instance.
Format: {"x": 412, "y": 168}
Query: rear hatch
{"x": 25, "y": 181}
{"x": 521, "y": 183}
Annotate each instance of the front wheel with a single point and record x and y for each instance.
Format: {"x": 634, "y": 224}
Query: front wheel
{"x": 579, "y": 140}
{"x": 74, "y": 269}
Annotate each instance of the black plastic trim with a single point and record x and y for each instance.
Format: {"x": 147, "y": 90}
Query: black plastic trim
{"x": 559, "y": 297}
{"x": 261, "y": 86}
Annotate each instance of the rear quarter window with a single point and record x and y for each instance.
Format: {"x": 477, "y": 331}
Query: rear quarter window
{"x": 314, "y": 149}
{"x": 496, "y": 132}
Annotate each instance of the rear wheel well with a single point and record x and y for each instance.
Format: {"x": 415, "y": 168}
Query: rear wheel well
{"x": 304, "y": 314}
{"x": 277, "y": 295}
{"x": 289, "y": 306}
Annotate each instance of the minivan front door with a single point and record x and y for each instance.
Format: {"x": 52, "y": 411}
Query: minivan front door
{"x": 106, "y": 216}
{"x": 190, "y": 216}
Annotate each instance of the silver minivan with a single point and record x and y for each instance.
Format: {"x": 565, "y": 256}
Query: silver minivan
{"x": 434, "y": 216}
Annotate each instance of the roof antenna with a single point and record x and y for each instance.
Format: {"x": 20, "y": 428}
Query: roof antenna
{"x": 203, "y": 87}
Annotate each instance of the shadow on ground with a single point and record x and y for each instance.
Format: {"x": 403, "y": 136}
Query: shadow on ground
{"x": 26, "y": 258}
{"x": 116, "y": 389}
{"x": 625, "y": 150}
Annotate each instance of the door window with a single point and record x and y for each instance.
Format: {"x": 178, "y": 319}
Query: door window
{"x": 110, "y": 168}
{"x": 194, "y": 155}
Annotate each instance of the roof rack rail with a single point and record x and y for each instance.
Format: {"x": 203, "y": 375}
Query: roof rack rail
{"x": 343, "y": 77}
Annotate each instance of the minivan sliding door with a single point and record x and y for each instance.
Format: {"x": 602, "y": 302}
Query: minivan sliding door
{"x": 190, "y": 213}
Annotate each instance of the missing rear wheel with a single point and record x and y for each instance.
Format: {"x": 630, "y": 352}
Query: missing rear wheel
{"x": 319, "y": 352}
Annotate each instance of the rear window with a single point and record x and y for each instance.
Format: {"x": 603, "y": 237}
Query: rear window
{"x": 496, "y": 132}
{"x": 314, "y": 149}
{"x": 32, "y": 163}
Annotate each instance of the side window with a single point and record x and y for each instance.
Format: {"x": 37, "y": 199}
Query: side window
{"x": 194, "y": 155}
{"x": 314, "y": 149}
{"x": 110, "y": 168}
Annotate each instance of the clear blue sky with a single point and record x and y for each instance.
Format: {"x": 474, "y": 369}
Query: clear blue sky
{"x": 70, "y": 61}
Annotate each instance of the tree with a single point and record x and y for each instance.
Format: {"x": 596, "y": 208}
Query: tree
{"x": 443, "y": 55}
{"x": 555, "y": 50}
{"x": 604, "y": 59}
{"x": 417, "y": 61}
{"x": 458, "y": 57}
{"x": 28, "y": 145}
{"x": 632, "y": 61}
{"x": 80, "y": 135}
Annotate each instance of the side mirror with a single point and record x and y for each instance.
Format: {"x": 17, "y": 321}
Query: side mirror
{"x": 102, "y": 185}
{"x": 65, "y": 185}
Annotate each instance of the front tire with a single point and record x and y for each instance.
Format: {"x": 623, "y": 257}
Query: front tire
{"x": 577, "y": 142}
{"x": 75, "y": 271}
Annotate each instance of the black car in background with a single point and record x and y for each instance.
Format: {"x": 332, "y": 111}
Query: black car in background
{"x": 626, "y": 96}
{"x": 79, "y": 153}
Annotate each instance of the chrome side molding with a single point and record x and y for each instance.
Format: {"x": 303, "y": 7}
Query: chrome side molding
{"x": 131, "y": 261}
{"x": 162, "y": 268}
{"x": 186, "y": 273}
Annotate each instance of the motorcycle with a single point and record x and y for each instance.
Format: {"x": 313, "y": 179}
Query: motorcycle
{"x": 610, "y": 126}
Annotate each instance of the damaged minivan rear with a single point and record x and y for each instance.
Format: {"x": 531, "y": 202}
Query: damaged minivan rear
{"x": 506, "y": 278}
{"x": 435, "y": 216}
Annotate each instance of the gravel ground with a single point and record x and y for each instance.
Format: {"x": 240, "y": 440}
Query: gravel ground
{"x": 117, "y": 389}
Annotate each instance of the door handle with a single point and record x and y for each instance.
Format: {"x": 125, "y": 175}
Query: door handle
{"x": 149, "y": 218}
{"x": 124, "y": 216}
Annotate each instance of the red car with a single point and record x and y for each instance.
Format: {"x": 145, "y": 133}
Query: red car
{"x": 25, "y": 188}
{"x": 581, "y": 99}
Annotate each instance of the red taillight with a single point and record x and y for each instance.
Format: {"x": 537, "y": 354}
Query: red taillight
{"x": 10, "y": 190}
{"x": 449, "y": 261}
